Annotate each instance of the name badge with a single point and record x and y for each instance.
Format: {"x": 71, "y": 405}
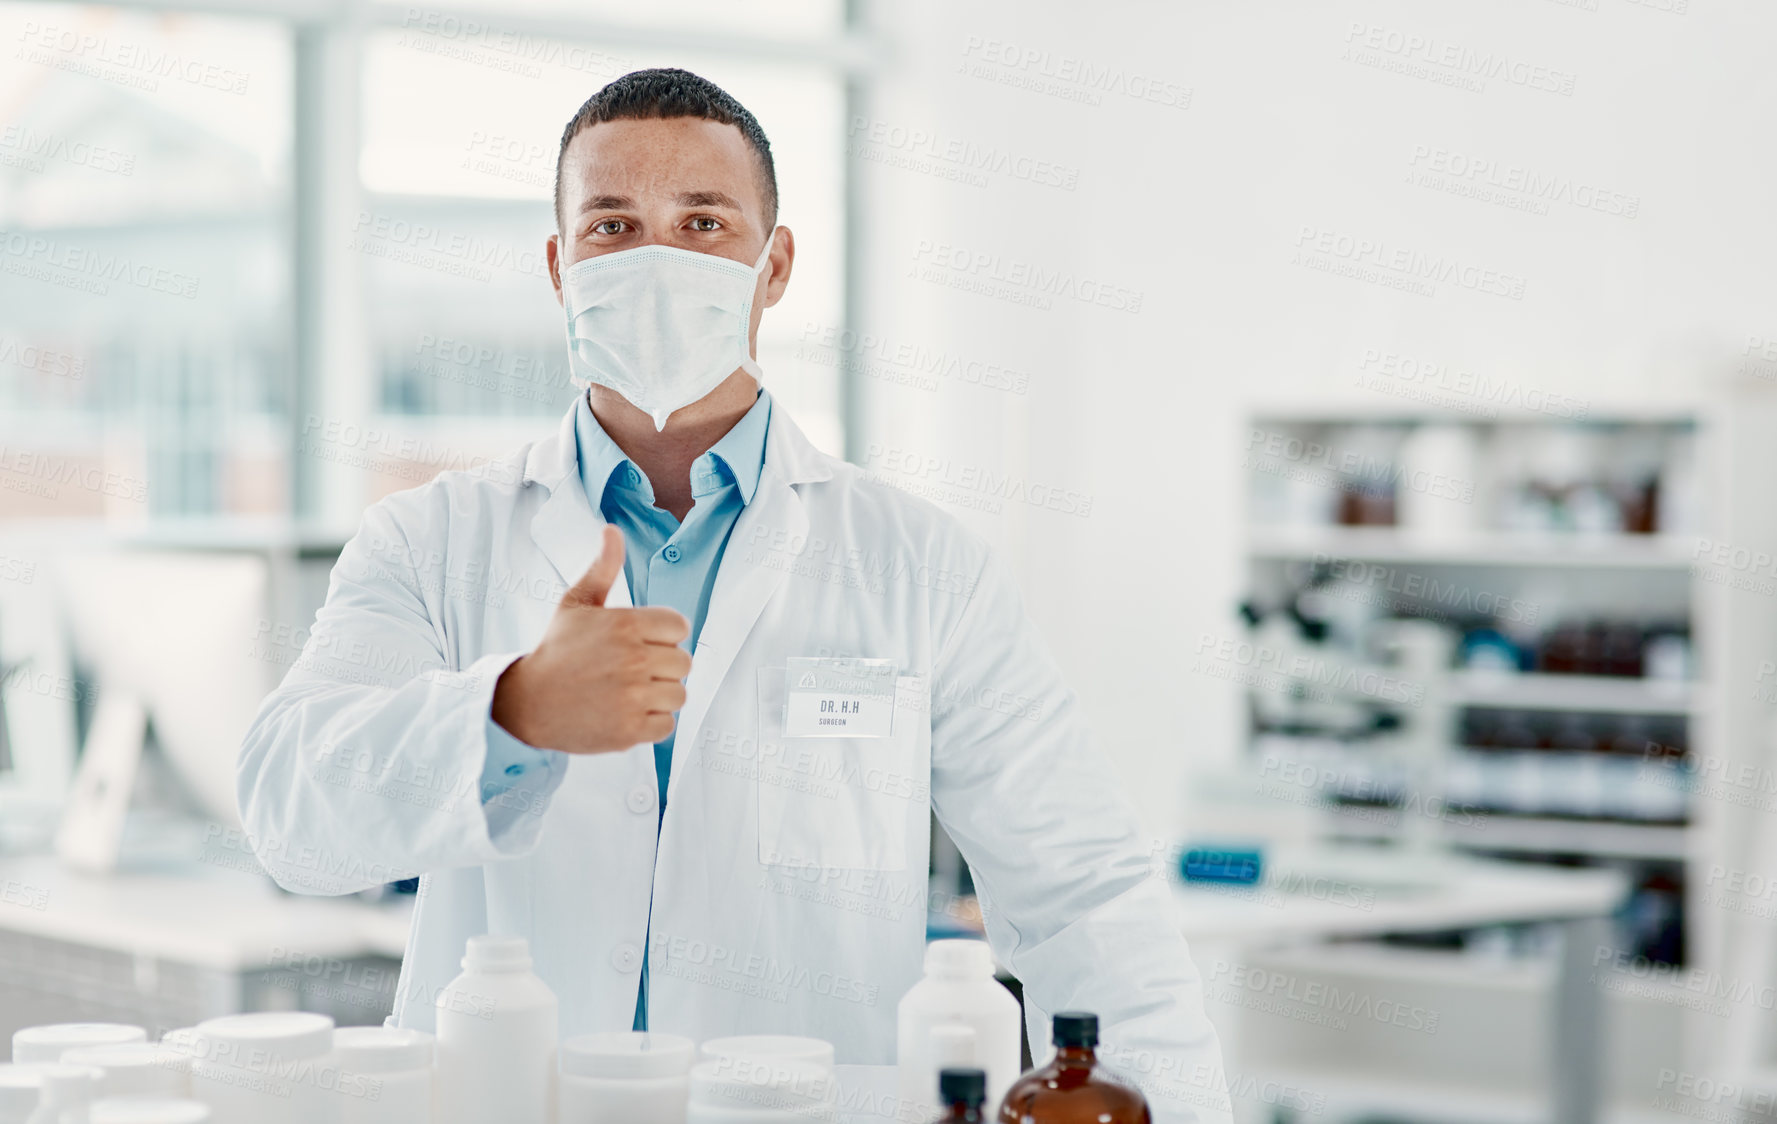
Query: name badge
{"x": 838, "y": 698}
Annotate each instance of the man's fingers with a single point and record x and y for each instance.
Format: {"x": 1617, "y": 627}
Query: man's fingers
{"x": 595, "y": 584}
{"x": 664, "y": 696}
{"x": 661, "y": 625}
{"x": 668, "y": 661}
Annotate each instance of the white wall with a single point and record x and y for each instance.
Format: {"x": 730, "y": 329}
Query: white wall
{"x": 1200, "y": 209}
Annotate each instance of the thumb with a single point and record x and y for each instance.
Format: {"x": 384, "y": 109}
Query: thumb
{"x": 596, "y": 582}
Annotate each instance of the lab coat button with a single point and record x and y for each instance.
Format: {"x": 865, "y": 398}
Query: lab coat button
{"x": 626, "y": 957}
{"x": 641, "y": 799}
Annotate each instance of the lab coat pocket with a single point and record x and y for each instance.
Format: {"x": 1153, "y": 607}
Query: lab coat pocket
{"x": 842, "y": 802}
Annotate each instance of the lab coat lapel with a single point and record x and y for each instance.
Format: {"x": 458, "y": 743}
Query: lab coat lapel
{"x": 567, "y": 527}
{"x": 743, "y": 587}
{"x": 745, "y": 581}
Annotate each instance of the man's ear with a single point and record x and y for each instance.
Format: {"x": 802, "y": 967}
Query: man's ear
{"x": 783, "y": 259}
{"x": 552, "y": 251}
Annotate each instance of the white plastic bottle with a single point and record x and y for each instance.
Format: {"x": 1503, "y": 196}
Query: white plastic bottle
{"x": 385, "y": 1075}
{"x": 67, "y": 1093}
{"x": 21, "y": 1087}
{"x": 958, "y": 988}
{"x": 758, "y": 1089}
{"x": 270, "y": 1067}
{"x": 497, "y": 1027}
{"x": 47, "y": 1043}
{"x": 136, "y": 1069}
{"x": 621, "y": 1076}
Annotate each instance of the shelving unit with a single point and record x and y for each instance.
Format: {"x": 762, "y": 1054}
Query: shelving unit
{"x": 1652, "y": 576}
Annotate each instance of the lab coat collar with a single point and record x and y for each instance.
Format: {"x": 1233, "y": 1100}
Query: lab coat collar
{"x": 789, "y": 454}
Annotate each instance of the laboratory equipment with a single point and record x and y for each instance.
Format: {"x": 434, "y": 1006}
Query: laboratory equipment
{"x": 1072, "y": 1088}
{"x": 963, "y": 1093}
{"x": 621, "y": 1076}
{"x": 273, "y": 1067}
{"x": 49, "y": 1043}
{"x": 136, "y": 1069}
{"x": 812, "y": 1050}
{"x": 395, "y": 1065}
{"x": 750, "y": 1089}
{"x": 958, "y": 987}
{"x": 497, "y": 1025}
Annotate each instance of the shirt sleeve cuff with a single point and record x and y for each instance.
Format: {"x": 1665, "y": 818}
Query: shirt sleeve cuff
{"x": 516, "y": 783}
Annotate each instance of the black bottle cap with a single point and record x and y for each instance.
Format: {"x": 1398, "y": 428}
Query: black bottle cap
{"x": 968, "y": 1086}
{"x": 1076, "y": 1028}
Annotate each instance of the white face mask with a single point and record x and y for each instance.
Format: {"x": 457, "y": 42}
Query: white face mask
{"x": 660, "y": 325}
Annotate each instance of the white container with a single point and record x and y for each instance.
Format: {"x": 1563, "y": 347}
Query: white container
{"x": 815, "y": 1051}
{"x": 48, "y": 1043}
{"x": 21, "y": 1087}
{"x": 274, "y": 1067}
{"x": 67, "y": 1092}
{"x": 137, "y": 1069}
{"x": 625, "y": 1076}
{"x": 754, "y": 1089}
{"x": 395, "y": 1066}
{"x": 958, "y": 988}
{"x": 497, "y": 1028}
{"x": 149, "y": 1110}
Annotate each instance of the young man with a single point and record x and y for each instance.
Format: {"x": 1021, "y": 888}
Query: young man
{"x": 673, "y": 694}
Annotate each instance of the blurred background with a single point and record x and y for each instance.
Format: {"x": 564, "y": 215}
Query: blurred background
{"x": 1377, "y": 401}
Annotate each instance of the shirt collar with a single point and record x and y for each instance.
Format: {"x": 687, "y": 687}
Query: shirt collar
{"x": 740, "y": 452}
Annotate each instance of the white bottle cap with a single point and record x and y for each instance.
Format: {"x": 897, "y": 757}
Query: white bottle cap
{"x": 959, "y": 958}
{"x": 776, "y": 1046}
{"x": 148, "y": 1110}
{"x": 283, "y": 1035}
{"x": 765, "y": 1084}
{"x": 382, "y": 1049}
{"x": 69, "y": 1086}
{"x": 497, "y": 954}
{"x": 135, "y": 1069}
{"x": 627, "y": 1054}
{"x": 46, "y": 1043}
{"x": 20, "y": 1088}
{"x": 953, "y": 1046}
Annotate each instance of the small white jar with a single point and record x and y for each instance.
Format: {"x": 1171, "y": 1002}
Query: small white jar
{"x": 47, "y": 1043}
{"x": 751, "y": 1089}
{"x": 21, "y": 1086}
{"x": 624, "y": 1076}
{"x": 386, "y": 1075}
{"x": 136, "y": 1069}
{"x": 815, "y": 1051}
{"x": 149, "y": 1110}
{"x": 274, "y": 1067}
{"x": 67, "y": 1091}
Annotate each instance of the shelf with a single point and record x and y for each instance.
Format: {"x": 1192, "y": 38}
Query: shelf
{"x": 1604, "y": 694}
{"x": 1505, "y": 833}
{"x": 1498, "y": 548}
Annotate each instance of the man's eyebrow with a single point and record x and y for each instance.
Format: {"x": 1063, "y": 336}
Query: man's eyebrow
{"x": 607, "y": 203}
{"x": 707, "y": 199}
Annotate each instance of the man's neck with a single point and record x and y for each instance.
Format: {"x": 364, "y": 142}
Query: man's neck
{"x": 666, "y": 455}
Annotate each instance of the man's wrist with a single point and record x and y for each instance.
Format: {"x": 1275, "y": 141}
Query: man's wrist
{"x": 508, "y": 709}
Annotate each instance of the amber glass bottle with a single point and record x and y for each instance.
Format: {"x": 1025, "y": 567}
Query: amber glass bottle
{"x": 964, "y": 1093}
{"x": 1073, "y": 1089}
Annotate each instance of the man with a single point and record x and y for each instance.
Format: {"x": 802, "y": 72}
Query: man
{"x": 673, "y": 695}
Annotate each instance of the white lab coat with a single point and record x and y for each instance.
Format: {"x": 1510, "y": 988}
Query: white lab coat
{"x": 787, "y": 889}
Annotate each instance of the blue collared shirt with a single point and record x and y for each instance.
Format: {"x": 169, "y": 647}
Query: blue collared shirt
{"x": 666, "y": 562}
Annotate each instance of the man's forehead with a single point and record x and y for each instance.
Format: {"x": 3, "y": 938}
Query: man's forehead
{"x": 655, "y": 157}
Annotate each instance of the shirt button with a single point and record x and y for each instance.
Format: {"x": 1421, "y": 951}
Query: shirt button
{"x": 672, "y": 554}
{"x": 626, "y": 957}
{"x": 514, "y": 770}
{"x": 641, "y": 799}
{"x": 631, "y": 476}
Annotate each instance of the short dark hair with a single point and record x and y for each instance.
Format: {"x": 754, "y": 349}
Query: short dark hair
{"x": 669, "y": 92}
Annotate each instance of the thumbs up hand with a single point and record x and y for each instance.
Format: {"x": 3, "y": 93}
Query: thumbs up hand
{"x": 600, "y": 679}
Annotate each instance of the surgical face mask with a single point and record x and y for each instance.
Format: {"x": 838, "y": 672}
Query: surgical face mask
{"x": 660, "y": 325}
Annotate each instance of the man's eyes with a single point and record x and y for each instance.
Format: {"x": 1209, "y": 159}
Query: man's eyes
{"x": 705, "y": 223}
{"x": 608, "y": 226}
